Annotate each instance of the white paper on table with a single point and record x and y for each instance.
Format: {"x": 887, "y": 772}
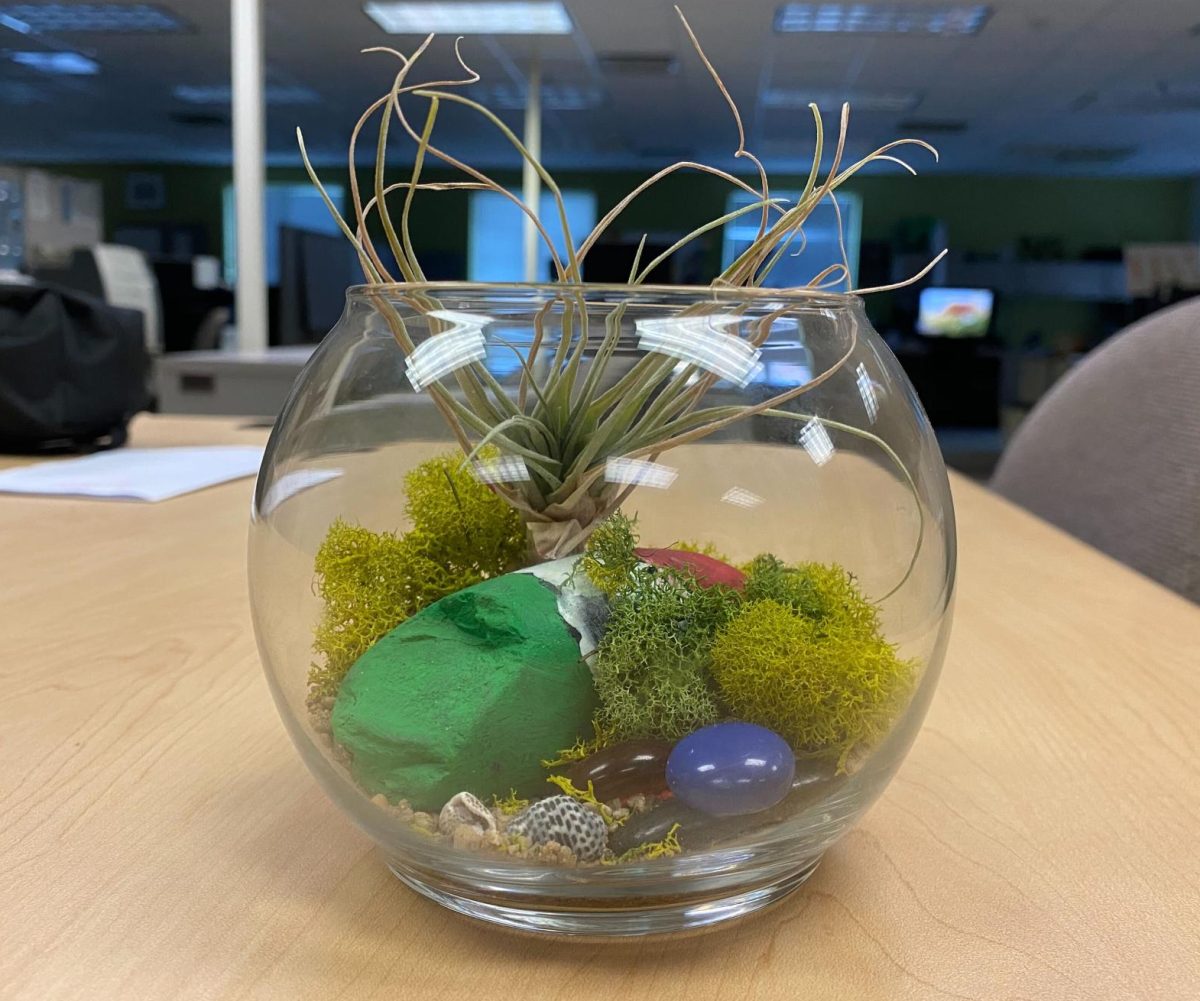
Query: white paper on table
{"x": 143, "y": 474}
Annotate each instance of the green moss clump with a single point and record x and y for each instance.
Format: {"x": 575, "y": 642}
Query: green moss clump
{"x": 459, "y": 522}
{"x": 818, "y": 591}
{"x": 370, "y": 581}
{"x": 609, "y": 560}
{"x": 652, "y": 666}
{"x": 824, "y": 681}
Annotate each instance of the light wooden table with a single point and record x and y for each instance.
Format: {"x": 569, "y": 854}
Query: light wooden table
{"x": 160, "y": 839}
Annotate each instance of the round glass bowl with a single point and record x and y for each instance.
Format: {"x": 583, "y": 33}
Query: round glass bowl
{"x": 602, "y": 610}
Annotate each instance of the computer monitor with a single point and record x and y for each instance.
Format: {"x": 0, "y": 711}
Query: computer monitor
{"x": 314, "y": 271}
{"x": 954, "y": 312}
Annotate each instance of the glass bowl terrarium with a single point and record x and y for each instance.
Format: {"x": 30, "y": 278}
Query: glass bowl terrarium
{"x": 636, "y": 689}
{"x": 601, "y": 609}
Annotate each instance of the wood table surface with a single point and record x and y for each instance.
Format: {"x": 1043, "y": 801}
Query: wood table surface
{"x": 160, "y": 839}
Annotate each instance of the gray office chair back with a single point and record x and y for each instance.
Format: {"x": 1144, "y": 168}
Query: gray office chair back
{"x": 1112, "y": 452}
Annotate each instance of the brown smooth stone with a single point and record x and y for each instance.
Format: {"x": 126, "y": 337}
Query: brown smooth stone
{"x": 698, "y": 831}
{"x": 624, "y": 769}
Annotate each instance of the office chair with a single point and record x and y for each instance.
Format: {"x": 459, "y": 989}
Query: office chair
{"x": 1112, "y": 453}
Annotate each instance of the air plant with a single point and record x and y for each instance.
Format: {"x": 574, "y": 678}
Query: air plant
{"x": 563, "y": 422}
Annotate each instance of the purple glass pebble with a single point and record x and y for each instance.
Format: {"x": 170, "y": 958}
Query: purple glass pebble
{"x": 731, "y": 768}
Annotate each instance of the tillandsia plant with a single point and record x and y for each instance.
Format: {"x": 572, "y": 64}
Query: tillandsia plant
{"x": 564, "y": 422}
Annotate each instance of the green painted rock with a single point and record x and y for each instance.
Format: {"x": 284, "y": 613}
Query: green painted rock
{"x": 471, "y": 693}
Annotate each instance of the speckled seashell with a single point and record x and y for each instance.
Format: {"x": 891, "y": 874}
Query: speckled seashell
{"x": 466, "y": 838}
{"x": 465, "y": 810}
{"x": 565, "y": 821}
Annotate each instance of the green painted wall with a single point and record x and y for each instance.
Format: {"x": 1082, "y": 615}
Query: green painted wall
{"x": 982, "y": 214}
{"x": 988, "y": 213}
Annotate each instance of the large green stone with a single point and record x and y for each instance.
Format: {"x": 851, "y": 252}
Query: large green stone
{"x": 471, "y": 693}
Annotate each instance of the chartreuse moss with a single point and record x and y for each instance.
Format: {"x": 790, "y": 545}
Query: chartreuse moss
{"x": 371, "y": 581}
{"x": 609, "y": 560}
{"x": 459, "y": 522}
{"x": 805, "y": 657}
{"x": 510, "y": 804}
{"x": 587, "y": 796}
{"x": 818, "y": 591}
{"x": 581, "y": 748}
{"x": 665, "y": 848}
{"x": 798, "y": 650}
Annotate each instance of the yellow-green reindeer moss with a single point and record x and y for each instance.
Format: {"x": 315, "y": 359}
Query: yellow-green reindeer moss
{"x": 809, "y": 661}
{"x": 665, "y": 848}
{"x": 511, "y": 804}
{"x": 459, "y": 522}
{"x": 371, "y": 581}
{"x": 609, "y": 560}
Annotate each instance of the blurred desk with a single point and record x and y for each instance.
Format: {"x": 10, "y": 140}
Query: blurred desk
{"x": 226, "y": 382}
{"x": 162, "y": 840}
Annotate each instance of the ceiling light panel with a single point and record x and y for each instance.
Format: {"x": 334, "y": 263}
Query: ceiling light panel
{"x": 554, "y": 97}
{"x": 899, "y": 102}
{"x": 71, "y": 18}
{"x": 504, "y": 17}
{"x": 222, "y": 94}
{"x": 57, "y": 63}
{"x": 882, "y": 19}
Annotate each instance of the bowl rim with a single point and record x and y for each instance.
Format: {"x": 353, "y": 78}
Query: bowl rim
{"x": 822, "y": 298}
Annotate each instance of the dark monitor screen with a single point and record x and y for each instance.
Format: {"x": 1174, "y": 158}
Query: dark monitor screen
{"x": 315, "y": 269}
{"x": 611, "y": 263}
{"x": 955, "y": 312}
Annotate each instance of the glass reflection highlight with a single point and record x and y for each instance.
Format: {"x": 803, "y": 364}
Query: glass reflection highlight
{"x": 868, "y": 391}
{"x": 441, "y": 354}
{"x": 741, "y": 497}
{"x": 505, "y": 469}
{"x": 815, "y": 440}
{"x": 704, "y": 342}
{"x": 641, "y": 472}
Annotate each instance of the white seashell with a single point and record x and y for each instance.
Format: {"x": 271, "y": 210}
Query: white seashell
{"x": 465, "y": 810}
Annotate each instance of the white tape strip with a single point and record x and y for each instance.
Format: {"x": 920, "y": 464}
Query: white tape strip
{"x": 442, "y": 353}
{"x": 703, "y": 341}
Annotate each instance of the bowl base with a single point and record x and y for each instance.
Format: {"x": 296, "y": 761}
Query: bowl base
{"x": 671, "y": 918}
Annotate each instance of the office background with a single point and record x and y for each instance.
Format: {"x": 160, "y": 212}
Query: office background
{"x": 1067, "y": 134}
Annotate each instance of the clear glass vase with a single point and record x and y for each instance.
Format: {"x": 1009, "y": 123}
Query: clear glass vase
{"x": 602, "y": 610}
